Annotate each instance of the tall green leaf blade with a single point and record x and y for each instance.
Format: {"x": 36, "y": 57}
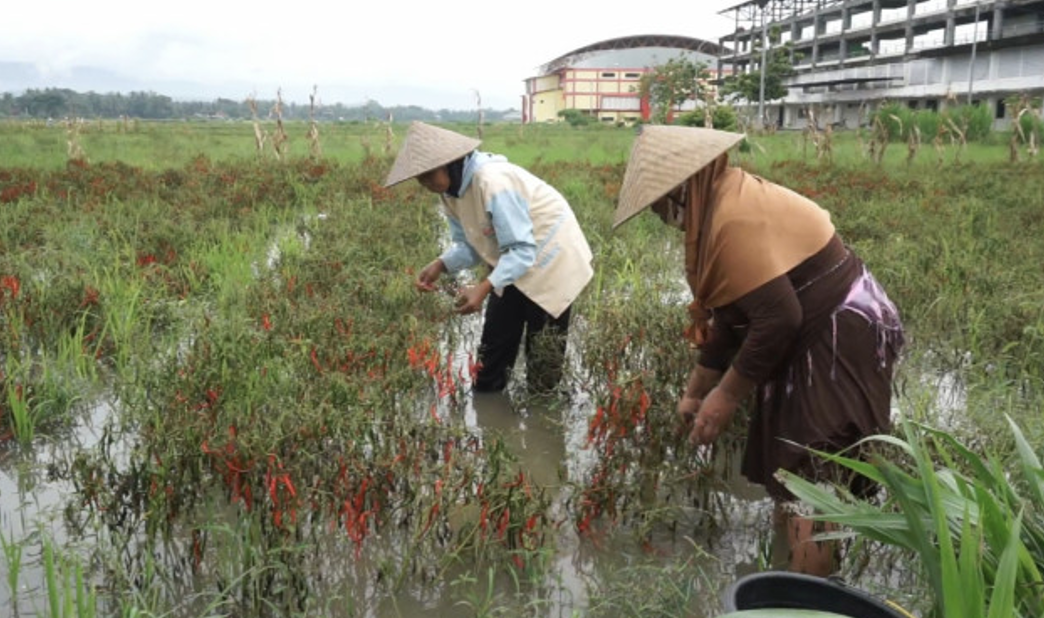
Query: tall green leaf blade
{"x": 1002, "y": 600}
{"x": 1031, "y": 467}
{"x": 973, "y": 584}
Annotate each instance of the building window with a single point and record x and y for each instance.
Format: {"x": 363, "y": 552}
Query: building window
{"x": 632, "y": 75}
{"x": 608, "y": 119}
{"x": 999, "y": 113}
{"x": 609, "y": 75}
{"x": 931, "y": 104}
{"x": 912, "y": 103}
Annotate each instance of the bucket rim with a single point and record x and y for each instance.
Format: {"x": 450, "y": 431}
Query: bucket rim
{"x": 825, "y": 584}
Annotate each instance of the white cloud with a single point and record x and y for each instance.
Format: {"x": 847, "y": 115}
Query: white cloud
{"x": 438, "y": 53}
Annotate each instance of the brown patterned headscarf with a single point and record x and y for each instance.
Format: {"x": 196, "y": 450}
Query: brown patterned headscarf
{"x": 742, "y": 231}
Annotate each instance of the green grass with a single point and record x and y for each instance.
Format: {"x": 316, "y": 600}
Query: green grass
{"x": 973, "y": 520}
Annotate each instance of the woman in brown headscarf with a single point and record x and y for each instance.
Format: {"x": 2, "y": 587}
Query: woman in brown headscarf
{"x": 781, "y": 307}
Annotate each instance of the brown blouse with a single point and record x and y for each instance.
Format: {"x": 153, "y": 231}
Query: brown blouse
{"x": 758, "y": 332}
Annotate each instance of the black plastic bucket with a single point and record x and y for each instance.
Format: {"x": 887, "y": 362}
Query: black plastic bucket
{"x": 784, "y": 590}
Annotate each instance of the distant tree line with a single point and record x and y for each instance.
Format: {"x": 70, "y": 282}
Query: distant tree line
{"x": 56, "y": 103}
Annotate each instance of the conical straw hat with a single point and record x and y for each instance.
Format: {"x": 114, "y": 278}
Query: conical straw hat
{"x": 426, "y": 148}
{"x": 662, "y": 157}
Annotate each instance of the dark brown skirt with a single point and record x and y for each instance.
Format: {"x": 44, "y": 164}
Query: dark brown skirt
{"x": 835, "y": 392}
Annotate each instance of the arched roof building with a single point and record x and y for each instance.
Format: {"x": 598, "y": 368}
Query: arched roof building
{"x": 601, "y": 79}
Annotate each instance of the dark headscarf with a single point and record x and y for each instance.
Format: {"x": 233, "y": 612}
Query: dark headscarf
{"x": 456, "y": 175}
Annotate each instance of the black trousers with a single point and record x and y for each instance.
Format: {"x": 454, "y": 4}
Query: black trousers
{"x": 508, "y": 317}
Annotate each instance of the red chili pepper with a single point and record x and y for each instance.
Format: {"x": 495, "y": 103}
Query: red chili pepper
{"x": 11, "y": 283}
{"x": 484, "y": 517}
{"x": 197, "y": 550}
{"x": 289, "y": 486}
{"x": 431, "y": 518}
{"x": 505, "y": 518}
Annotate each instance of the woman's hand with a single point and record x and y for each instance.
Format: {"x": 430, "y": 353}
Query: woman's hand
{"x": 713, "y": 417}
{"x": 469, "y": 300}
{"x": 701, "y": 381}
{"x": 688, "y": 406}
{"x": 718, "y": 406}
{"x": 429, "y": 275}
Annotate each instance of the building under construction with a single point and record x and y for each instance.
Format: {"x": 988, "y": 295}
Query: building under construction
{"x": 850, "y": 56}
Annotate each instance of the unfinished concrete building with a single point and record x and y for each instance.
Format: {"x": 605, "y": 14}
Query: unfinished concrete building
{"x": 849, "y": 56}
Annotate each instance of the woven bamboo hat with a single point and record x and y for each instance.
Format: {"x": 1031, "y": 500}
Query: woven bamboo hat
{"x": 426, "y": 148}
{"x": 662, "y": 157}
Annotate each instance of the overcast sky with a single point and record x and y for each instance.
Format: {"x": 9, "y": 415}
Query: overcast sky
{"x": 397, "y": 52}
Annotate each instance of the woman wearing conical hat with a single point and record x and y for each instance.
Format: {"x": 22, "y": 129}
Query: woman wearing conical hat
{"x": 781, "y": 308}
{"x": 503, "y": 216}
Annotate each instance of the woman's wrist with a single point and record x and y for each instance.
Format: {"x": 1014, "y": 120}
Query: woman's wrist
{"x": 701, "y": 381}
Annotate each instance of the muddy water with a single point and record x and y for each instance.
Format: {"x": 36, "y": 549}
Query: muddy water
{"x": 548, "y": 442}
{"x": 550, "y": 445}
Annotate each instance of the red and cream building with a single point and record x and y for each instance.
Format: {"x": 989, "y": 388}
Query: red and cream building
{"x": 602, "y": 79}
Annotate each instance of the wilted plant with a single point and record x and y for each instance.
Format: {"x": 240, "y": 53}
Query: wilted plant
{"x": 937, "y": 141}
{"x": 314, "y": 147}
{"x": 1026, "y": 127}
{"x": 74, "y": 151}
{"x": 481, "y": 114}
{"x": 881, "y": 133}
{"x": 913, "y": 142}
{"x": 822, "y": 140}
{"x": 389, "y": 135}
{"x": 260, "y": 135}
{"x": 958, "y": 138}
{"x": 811, "y": 130}
{"x": 825, "y": 146}
{"x": 280, "y": 140}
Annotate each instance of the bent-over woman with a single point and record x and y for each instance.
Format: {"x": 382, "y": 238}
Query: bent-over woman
{"x": 781, "y": 309}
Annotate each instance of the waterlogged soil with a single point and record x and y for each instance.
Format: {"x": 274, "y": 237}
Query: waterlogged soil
{"x": 550, "y": 443}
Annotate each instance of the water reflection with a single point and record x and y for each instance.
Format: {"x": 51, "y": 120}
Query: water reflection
{"x": 548, "y": 442}
{"x": 532, "y": 434}
{"x": 32, "y": 503}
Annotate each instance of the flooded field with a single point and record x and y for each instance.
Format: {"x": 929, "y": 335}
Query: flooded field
{"x": 221, "y": 394}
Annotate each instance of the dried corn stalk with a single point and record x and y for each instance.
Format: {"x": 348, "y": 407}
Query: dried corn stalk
{"x": 260, "y": 135}
{"x": 314, "y": 147}
{"x": 481, "y": 115}
{"x": 913, "y": 142}
{"x": 73, "y": 149}
{"x": 389, "y": 135}
{"x": 1020, "y": 135}
{"x": 957, "y": 139}
{"x": 280, "y": 140}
